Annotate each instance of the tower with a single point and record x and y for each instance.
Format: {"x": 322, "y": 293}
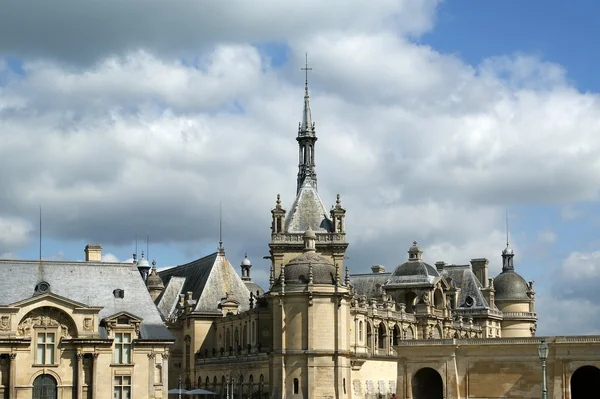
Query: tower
{"x": 307, "y": 210}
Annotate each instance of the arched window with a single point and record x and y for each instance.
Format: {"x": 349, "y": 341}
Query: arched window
{"x": 438, "y": 299}
{"x": 296, "y": 386}
{"x": 396, "y": 336}
{"x": 237, "y": 338}
{"x": 251, "y": 383}
{"x": 199, "y": 382}
{"x": 360, "y": 331}
{"x": 409, "y": 333}
{"x": 227, "y": 339}
{"x": 253, "y": 332}
{"x": 215, "y": 382}
{"x": 381, "y": 335}
{"x": 207, "y": 382}
{"x": 245, "y": 337}
{"x": 44, "y": 387}
{"x": 410, "y": 299}
{"x": 369, "y": 336}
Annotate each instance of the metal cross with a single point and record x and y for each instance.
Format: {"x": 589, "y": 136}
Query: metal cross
{"x": 306, "y": 68}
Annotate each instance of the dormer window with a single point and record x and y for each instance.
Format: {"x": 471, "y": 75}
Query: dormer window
{"x": 123, "y": 321}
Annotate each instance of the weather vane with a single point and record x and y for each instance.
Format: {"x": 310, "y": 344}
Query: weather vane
{"x": 306, "y": 69}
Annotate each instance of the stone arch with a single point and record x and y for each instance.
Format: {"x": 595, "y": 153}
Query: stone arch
{"x": 47, "y": 316}
{"x": 427, "y": 383}
{"x": 437, "y": 332}
{"x": 215, "y": 383}
{"x": 410, "y": 298}
{"x": 245, "y": 337}
{"x": 46, "y": 371}
{"x": 45, "y": 386}
{"x": 438, "y": 299}
{"x": 396, "y": 336}
{"x": 381, "y": 336}
{"x": 369, "y": 336}
{"x": 207, "y": 383}
{"x": 584, "y": 381}
{"x": 410, "y": 333}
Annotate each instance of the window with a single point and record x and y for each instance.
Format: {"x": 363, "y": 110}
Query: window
{"x": 360, "y": 331}
{"x": 122, "y": 387}
{"x": 122, "y": 348}
{"x": 296, "y": 383}
{"x": 45, "y": 348}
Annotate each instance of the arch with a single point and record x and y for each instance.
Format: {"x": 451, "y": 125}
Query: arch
{"x": 360, "y": 331}
{"x": 397, "y": 336}
{"x": 228, "y": 338}
{"x": 583, "y": 381}
{"x": 44, "y": 387}
{"x": 410, "y": 299}
{"x": 245, "y": 337}
{"x": 236, "y": 335}
{"x": 369, "y": 336}
{"x": 207, "y": 382}
{"x": 437, "y": 332}
{"x": 410, "y": 334}
{"x": 215, "y": 383}
{"x": 46, "y": 371}
{"x": 381, "y": 335}
{"x": 296, "y": 386}
{"x": 427, "y": 384}
{"x": 199, "y": 382}
{"x": 253, "y": 333}
{"x": 438, "y": 299}
{"x": 47, "y": 316}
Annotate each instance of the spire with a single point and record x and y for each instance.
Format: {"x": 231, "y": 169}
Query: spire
{"x": 508, "y": 253}
{"x": 306, "y": 140}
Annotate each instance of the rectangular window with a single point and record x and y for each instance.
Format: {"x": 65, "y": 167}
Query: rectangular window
{"x": 122, "y": 387}
{"x": 45, "y": 348}
{"x": 122, "y": 348}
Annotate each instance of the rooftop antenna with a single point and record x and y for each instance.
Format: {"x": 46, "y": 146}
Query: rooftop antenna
{"x": 220, "y": 225}
{"x": 136, "y": 240}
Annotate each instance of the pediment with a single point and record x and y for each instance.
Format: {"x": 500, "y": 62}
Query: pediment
{"x": 122, "y": 315}
{"x": 57, "y": 299}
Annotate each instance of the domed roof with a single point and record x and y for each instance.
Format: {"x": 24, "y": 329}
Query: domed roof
{"x": 414, "y": 269}
{"x": 143, "y": 262}
{"x": 510, "y": 286}
{"x": 297, "y": 270}
{"x": 154, "y": 280}
{"x": 246, "y": 261}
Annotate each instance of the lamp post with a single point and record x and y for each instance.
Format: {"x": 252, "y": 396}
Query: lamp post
{"x": 543, "y": 354}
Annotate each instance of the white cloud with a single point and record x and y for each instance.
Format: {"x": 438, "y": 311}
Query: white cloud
{"x": 108, "y": 257}
{"x": 115, "y": 134}
{"x": 547, "y": 237}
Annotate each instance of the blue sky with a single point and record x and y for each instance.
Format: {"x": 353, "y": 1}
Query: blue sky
{"x": 235, "y": 96}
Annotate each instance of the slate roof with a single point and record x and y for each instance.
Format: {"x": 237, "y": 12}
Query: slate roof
{"x": 90, "y": 283}
{"x": 415, "y": 271}
{"x": 463, "y": 277}
{"x": 369, "y": 284}
{"x": 510, "y": 285}
{"x": 209, "y": 279}
{"x": 308, "y": 210}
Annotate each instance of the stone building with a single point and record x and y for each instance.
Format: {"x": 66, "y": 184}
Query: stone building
{"x": 318, "y": 331}
{"x": 80, "y": 330}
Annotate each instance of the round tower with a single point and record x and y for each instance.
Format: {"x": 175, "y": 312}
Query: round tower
{"x": 154, "y": 283}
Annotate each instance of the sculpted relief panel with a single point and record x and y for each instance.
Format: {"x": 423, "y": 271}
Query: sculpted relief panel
{"x": 47, "y": 317}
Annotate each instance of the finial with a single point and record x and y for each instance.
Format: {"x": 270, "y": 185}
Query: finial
{"x": 282, "y": 277}
{"x": 338, "y": 201}
{"x": 415, "y": 242}
{"x": 310, "y": 273}
{"x": 507, "y": 227}
{"x": 142, "y": 254}
{"x": 220, "y": 225}
{"x": 347, "y": 278}
{"x": 272, "y": 276}
{"x": 306, "y": 69}
{"x": 153, "y": 262}
{"x": 337, "y": 273}
{"x": 278, "y": 200}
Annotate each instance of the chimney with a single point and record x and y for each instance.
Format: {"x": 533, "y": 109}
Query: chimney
{"x": 93, "y": 253}
{"x": 480, "y": 269}
{"x": 440, "y": 265}
{"x": 378, "y": 269}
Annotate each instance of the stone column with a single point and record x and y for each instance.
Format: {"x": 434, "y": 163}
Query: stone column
{"x": 94, "y": 375}
{"x": 151, "y": 367}
{"x": 165, "y": 374}
{"x": 79, "y": 358}
{"x": 13, "y": 375}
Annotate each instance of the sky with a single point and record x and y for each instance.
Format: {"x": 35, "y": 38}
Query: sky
{"x": 126, "y": 119}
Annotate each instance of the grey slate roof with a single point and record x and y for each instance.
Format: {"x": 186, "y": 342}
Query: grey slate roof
{"x": 463, "y": 277}
{"x": 369, "y": 284}
{"x": 90, "y": 283}
{"x": 308, "y": 210}
{"x": 414, "y": 271}
{"x": 209, "y": 279}
{"x": 510, "y": 285}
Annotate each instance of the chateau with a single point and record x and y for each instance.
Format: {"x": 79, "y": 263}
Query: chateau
{"x": 319, "y": 331}
{"x": 419, "y": 331}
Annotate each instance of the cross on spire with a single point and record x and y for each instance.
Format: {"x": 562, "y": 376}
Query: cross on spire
{"x": 306, "y": 69}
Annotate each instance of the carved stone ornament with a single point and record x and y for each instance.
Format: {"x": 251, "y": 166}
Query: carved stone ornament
{"x": 5, "y": 323}
{"x": 88, "y": 324}
{"x": 425, "y": 298}
{"x": 46, "y": 317}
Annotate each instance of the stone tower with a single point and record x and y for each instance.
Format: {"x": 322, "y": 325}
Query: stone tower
{"x": 310, "y": 304}
{"x": 307, "y": 210}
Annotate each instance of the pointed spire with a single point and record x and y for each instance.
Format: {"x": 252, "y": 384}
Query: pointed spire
{"x": 306, "y": 141}
{"x": 306, "y": 125}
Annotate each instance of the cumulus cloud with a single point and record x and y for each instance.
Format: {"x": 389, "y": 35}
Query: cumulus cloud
{"x": 120, "y": 128}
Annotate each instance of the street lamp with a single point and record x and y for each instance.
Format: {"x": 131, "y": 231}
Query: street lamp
{"x": 543, "y": 354}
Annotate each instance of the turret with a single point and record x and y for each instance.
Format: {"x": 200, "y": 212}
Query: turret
{"x": 154, "y": 283}
{"x": 143, "y": 267}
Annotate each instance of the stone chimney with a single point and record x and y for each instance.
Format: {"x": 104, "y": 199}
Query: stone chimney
{"x": 480, "y": 269}
{"x": 440, "y": 265}
{"x": 93, "y": 253}
{"x": 377, "y": 269}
